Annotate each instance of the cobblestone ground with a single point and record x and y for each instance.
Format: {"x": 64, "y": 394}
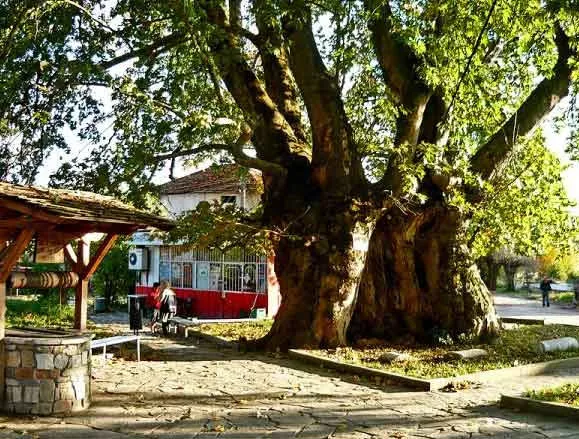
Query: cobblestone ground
{"x": 190, "y": 389}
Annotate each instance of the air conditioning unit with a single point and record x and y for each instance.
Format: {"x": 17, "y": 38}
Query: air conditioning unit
{"x": 139, "y": 259}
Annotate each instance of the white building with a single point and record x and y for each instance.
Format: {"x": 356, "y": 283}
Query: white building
{"x": 209, "y": 283}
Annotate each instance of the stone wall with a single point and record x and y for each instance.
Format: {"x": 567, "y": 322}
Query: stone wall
{"x": 47, "y": 376}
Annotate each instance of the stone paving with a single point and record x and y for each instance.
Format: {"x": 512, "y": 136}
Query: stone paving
{"x": 191, "y": 389}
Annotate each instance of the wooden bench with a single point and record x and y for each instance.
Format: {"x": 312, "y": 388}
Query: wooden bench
{"x": 119, "y": 339}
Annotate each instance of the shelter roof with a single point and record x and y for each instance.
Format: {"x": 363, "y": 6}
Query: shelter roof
{"x": 216, "y": 179}
{"x": 71, "y": 211}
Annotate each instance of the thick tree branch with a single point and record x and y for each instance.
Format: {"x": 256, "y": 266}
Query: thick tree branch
{"x": 397, "y": 61}
{"x": 399, "y": 67}
{"x": 337, "y": 166}
{"x": 235, "y": 13}
{"x": 235, "y": 149}
{"x": 530, "y": 114}
{"x": 279, "y": 81}
{"x": 248, "y": 91}
{"x": 154, "y": 49}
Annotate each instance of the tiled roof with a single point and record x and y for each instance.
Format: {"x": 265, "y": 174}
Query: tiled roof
{"x": 226, "y": 178}
{"x": 76, "y": 206}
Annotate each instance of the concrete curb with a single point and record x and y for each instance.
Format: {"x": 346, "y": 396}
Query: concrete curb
{"x": 540, "y": 407}
{"x": 523, "y": 320}
{"x": 415, "y": 383}
{"x": 435, "y": 383}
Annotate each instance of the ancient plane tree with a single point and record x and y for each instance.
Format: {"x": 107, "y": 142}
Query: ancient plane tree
{"x": 378, "y": 126}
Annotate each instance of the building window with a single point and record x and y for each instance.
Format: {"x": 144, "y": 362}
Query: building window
{"x": 229, "y": 199}
{"x": 203, "y": 269}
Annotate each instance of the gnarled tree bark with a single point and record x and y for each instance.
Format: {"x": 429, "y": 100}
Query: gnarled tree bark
{"x": 420, "y": 282}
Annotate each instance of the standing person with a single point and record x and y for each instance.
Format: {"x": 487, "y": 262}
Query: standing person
{"x": 576, "y": 291}
{"x": 545, "y": 287}
{"x": 168, "y": 305}
{"x": 156, "y": 304}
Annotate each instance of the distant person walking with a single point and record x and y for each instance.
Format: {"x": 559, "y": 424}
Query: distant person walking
{"x": 545, "y": 287}
{"x": 576, "y": 291}
{"x": 168, "y": 305}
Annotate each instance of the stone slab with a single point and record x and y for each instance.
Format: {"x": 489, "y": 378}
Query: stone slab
{"x": 61, "y": 361}
{"x": 31, "y": 394}
{"x": 394, "y": 357}
{"x": 27, "y": 358}
{"x": 47, "y": 390}
{"x": 558, "y": 344}
{"x": 44, "y": 361}
{"x": 13, "y": 359}
{"x": 467, "y": 354}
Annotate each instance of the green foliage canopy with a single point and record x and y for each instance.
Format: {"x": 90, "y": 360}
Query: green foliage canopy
{"x": 432, "y": 97}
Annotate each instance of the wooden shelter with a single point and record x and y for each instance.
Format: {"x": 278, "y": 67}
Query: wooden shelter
{"x": 60, "y": 219}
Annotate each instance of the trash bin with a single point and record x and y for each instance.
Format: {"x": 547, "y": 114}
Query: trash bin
{"x": 99, "y": 304}
{"x": 136, "y": 307}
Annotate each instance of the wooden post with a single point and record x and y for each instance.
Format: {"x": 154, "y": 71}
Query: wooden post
{"x": 80, "y": 305}
{"x": 85, "y": 268}
{"x": 2, "y": 310}
{"x": 81, "y": 294}
{"x": 9, "y": 259}
{"x": 2, "y": 323}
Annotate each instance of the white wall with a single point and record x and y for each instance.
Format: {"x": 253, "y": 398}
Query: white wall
{"x": 149, "y": 277}
{"x": 179, "y": 203}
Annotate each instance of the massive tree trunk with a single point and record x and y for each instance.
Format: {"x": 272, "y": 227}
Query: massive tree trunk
{"x": 419, "y": 282}
{"x": 319, "y": 277}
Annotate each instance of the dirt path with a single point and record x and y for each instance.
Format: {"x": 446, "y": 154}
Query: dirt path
{"x": 520, "y": 307}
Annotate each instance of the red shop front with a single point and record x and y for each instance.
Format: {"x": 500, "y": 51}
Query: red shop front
{"x": 211, "y": 304}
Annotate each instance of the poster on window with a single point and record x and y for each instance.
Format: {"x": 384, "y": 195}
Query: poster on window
{"x": 232, "y": 277}
{"x": 214, "y": 277}
{"x": 164, "y": 271}
{"x": 202, "y": 275}
{"x": 249, "y": 277}
{"x": 187, "y": 275}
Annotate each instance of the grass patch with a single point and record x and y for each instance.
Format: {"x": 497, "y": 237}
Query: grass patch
{"x": 515, "y": 347}
{"x": 45, "y": 311}
{"x": 564, "y": 297}
{"x": 38, "y": 312}
{"x": 233, "y": 331}
{"x": 566, "y": 394}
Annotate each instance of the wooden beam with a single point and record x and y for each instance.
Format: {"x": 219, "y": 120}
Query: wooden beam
{"x": 2, "y": 316}
{"x": 16, "y": 222}
{"x": 70, "y": 255}
{"x": 107, "y": 243}
{"x": 80, "y": 305}
{"x": 14, "y": 252}
{"x": 81, "y": 292}
{"x": 82, "y": 255}
{"x": 33, "y": 211}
